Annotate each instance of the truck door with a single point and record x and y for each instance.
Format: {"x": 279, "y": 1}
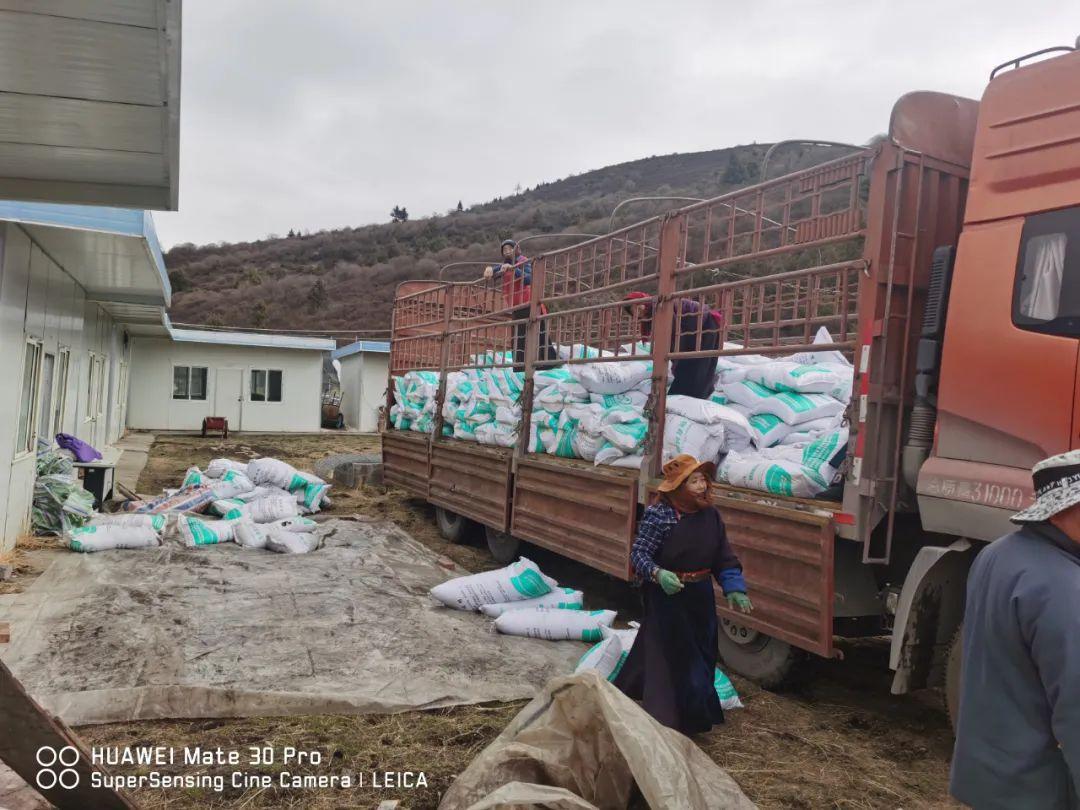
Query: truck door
{"x": 1009, "y": 367}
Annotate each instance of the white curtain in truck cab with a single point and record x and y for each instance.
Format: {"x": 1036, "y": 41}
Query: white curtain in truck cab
{"x": 1044, "y": 270}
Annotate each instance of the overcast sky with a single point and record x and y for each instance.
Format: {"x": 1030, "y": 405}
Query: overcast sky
{"x": 306, "y": 114}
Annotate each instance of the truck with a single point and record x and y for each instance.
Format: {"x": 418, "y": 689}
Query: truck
{"x": 943, "y": 258}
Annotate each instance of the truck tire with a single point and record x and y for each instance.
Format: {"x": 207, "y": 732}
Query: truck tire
{"x": 452, "y": 526}
{"x": 953, "y": 671}
{"x": 767, "y": 661}
{"x": 502, "y": 545}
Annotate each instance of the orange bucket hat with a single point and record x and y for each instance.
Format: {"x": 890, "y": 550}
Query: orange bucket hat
{"x": 682, "y": 467}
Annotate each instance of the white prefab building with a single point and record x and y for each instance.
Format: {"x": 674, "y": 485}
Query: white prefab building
{"x": 74, "y": 282}
{"x": 258, "y": 382}
{"x": 363, "y": 375}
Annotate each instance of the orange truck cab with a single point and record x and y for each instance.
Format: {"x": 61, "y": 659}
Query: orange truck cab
{"x": 1007, "y": 391}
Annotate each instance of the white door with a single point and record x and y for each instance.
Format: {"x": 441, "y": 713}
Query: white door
{"x": 229, "y": 395}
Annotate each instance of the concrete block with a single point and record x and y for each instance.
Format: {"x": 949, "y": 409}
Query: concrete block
{"x": 325, "y": 467}
{"x": 356, "y": 473}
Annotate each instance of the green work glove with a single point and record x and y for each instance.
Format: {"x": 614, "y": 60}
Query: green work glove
{"x": 669, "y": 582}
{"x": 738, "y": 600}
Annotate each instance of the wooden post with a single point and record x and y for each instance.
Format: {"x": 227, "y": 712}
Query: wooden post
{"x": 29, "y": 729}
{"x": 663, "y": 321}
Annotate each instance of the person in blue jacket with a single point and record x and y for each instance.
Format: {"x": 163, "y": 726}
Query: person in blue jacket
{"x": 1018, "y": 724}
{"x": 681, "y": 547}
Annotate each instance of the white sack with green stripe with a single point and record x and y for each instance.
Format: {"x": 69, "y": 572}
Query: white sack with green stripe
{"x": 106, "y": 537}
{"x": 517, "y": 581}
{"x": 565, "y": 598}
{"x": 556, "y": 624}
{"x": 778, "y": 476}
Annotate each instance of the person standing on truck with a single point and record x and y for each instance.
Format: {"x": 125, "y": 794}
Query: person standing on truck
{"x": 515, "y": 276}
{"x": 1018, "y": 724}
{"x": 681, "y": 546}
{"x": 694, "y": 377}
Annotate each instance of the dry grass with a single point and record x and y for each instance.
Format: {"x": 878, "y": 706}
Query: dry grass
{"x": 440, "y": 743}
{"x": 840, "y": 741}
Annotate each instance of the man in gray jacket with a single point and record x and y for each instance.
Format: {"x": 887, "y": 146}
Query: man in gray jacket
{"x": 1018, "y": 728}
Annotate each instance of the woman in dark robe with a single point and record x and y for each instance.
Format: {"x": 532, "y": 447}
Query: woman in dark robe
{"x": 680, "y": 548}
{"x": 694, "y": 376}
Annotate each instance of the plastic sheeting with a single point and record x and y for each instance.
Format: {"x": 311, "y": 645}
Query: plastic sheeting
{"x": 581, "y": 744}
{"x": 224, "y": 631}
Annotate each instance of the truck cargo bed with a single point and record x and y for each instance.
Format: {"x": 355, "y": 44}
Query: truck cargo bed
{"x": 581, "y": 511}
{"x": 472, "y": 480}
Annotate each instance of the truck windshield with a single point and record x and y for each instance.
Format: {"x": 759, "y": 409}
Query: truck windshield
{"x": 1047, "y": 294}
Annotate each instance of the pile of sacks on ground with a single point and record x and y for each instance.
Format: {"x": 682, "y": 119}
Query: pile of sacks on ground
{"x": 258, "y": 504}
{"x": 523, "y": 601}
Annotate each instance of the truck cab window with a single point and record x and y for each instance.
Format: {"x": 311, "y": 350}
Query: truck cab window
{"x": 1047, "y": 294}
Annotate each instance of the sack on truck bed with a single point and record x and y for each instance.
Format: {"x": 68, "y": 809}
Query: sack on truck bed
{"x": 703, "y": 442}
{"x": 520, "y": 580}
{"x": 778, "y": 476}
{"x": 834, "y": 379}
{"x": 833, "y": 356}
{"x": 613, "y": 378}
{"x": 768, "y": 430}
{"x": 106, "y": 537}
{"x": 566, "y": 598}
{"x": 795, "y": 409}
{"x": 555, "y": 624}
{"x": 737, "y": 431}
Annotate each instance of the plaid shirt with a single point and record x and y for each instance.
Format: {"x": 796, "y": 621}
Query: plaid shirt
{"x": 653, "y": 528}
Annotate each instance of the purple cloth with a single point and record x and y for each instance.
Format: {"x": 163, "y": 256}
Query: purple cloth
{"x": 83, "y": 452}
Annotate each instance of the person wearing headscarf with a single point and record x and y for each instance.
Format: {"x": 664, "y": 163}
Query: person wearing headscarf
{"x": 694, "y": 376}
{"x": 681, "y": 547}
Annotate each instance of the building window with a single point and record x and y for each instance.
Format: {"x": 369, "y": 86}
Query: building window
{"x": 48, "y": 380}
{"x": 63, "y": 365}
{"x": 265, "y": 385}
{"x": 1047, "y": 294}
{"x": 30, "y": 393}
{"x": 91, "y": 386}
{"x": 189, "y": 382}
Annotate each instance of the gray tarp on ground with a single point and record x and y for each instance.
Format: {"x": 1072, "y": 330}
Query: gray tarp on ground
{"x": 223, "y": 631}
{"x": 581, "y": 744}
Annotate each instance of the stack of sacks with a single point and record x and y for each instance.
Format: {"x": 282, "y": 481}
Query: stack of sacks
{"x": 263, "y": 486}
{"x": 795, "y": 407}
{"x": 798, "y": 470}
{"x": 483, "y": 405}
{"x": 414, "y": 401}
{"x": 592, "y": 412}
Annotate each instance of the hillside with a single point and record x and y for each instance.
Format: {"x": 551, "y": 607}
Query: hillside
{"x": 345, "y": 279}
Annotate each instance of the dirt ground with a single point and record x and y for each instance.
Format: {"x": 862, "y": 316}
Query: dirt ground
{"x": 839, "y": 741}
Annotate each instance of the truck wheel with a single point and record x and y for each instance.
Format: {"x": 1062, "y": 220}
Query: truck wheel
{"x": 767, "y": 661}
{"x": 452, "y": 526}
{"x": 953, "y": 670}
{"x": 340, "y": 422}
{"x": 503, "y": 546}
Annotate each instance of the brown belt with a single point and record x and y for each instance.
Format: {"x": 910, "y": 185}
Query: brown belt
{"x": 693, "y": 576}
